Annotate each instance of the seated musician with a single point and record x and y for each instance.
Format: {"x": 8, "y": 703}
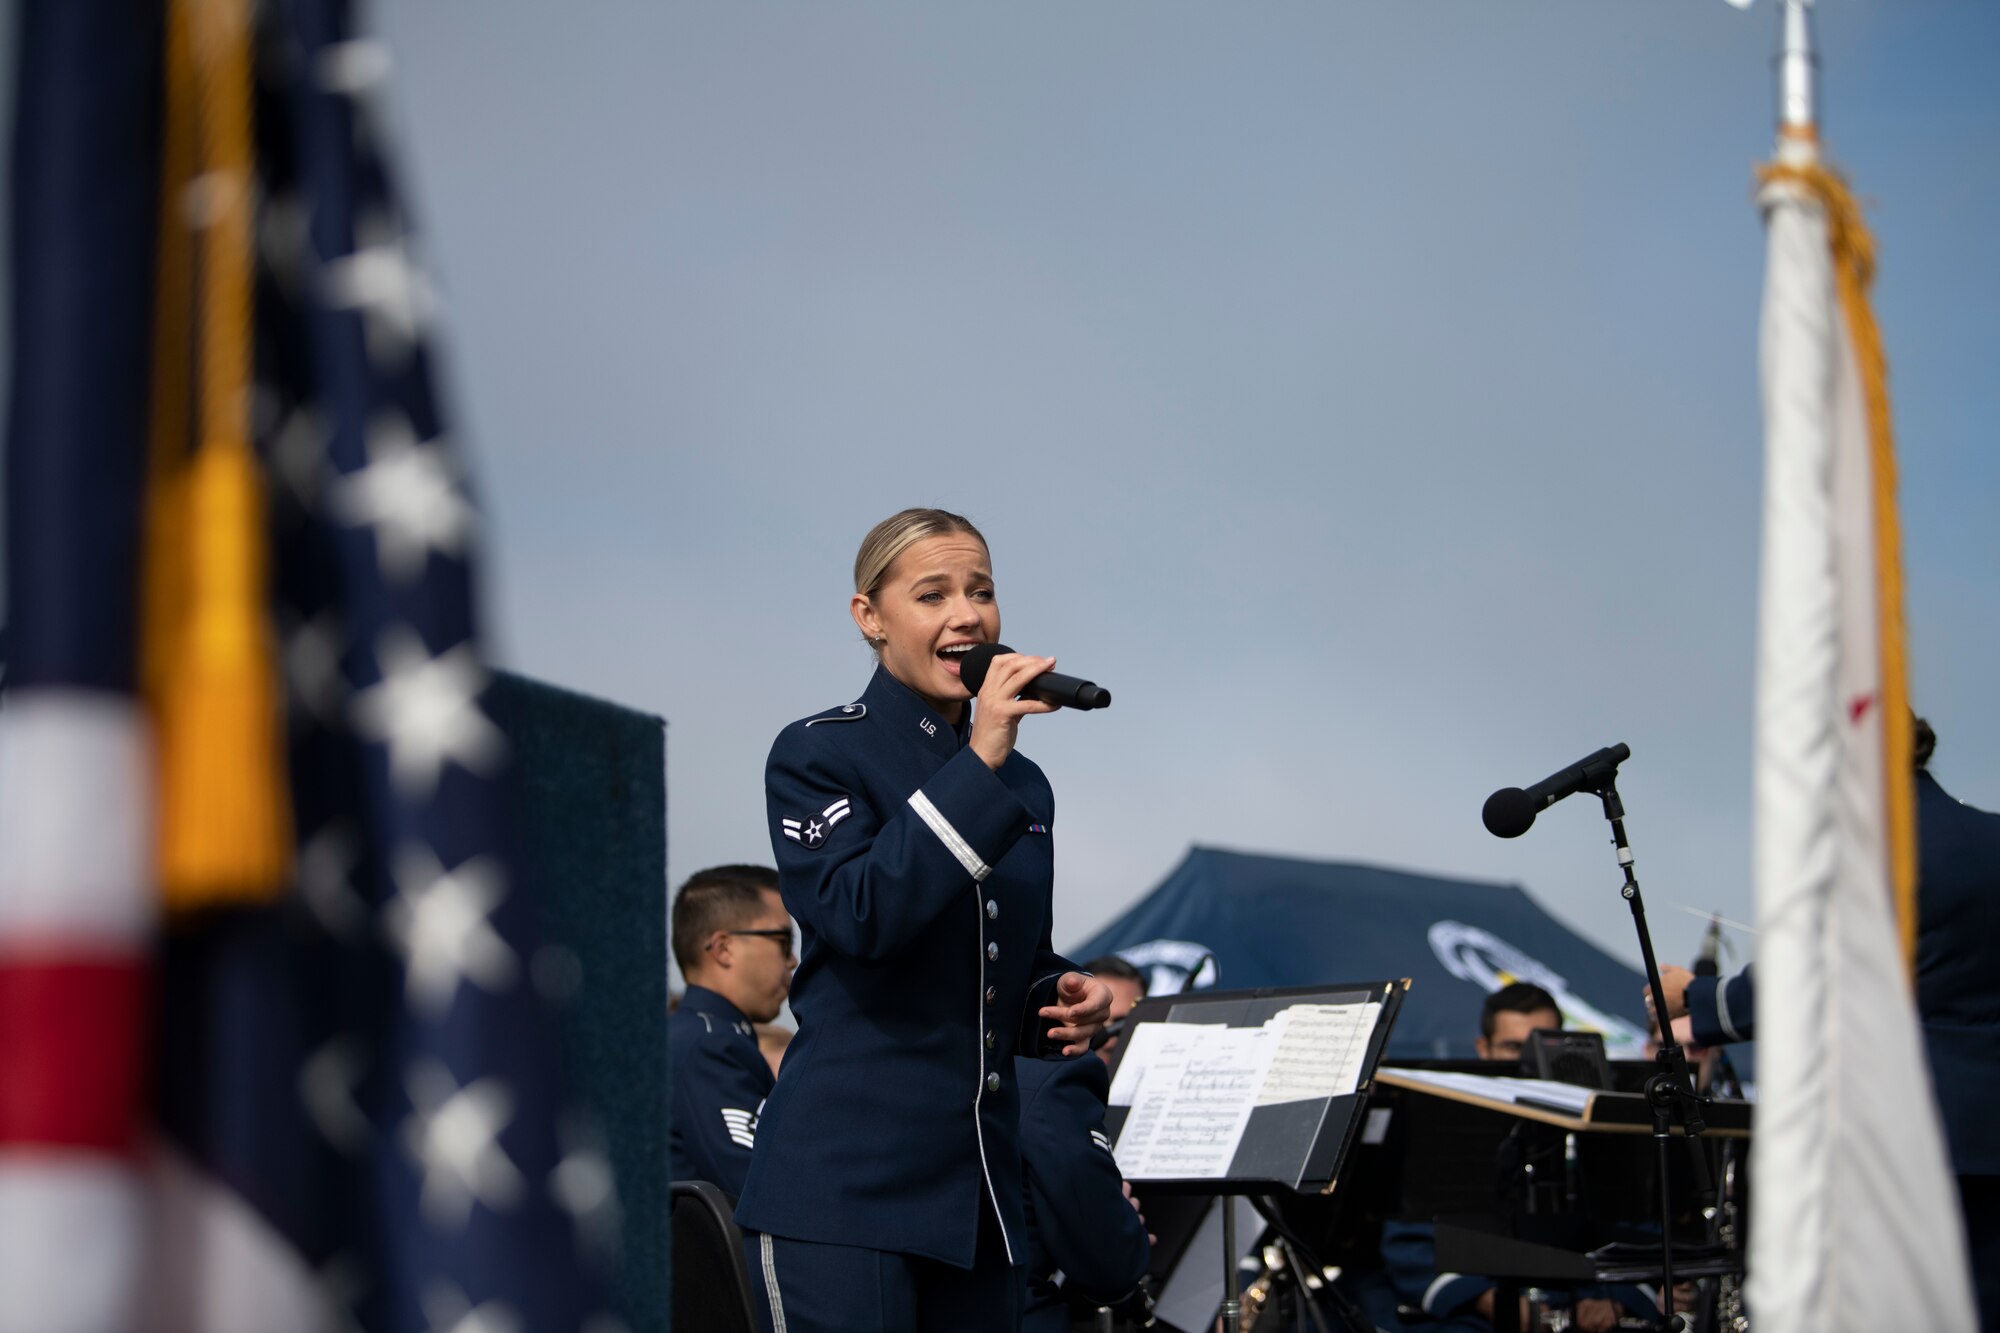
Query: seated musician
{"x": 1409, "y": 1249}
{"x": 1086, "y": 1238}
{"x": 733, "y": 941}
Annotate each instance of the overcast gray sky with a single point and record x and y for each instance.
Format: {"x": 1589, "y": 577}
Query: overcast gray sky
{"x": 1365, "y": 392}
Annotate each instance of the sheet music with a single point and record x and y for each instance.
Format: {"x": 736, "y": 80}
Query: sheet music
{"x": 1150, "y": 1044}
{"x": 1192, "y": 1087}
{"x": 1320, "y": 1051}
{"x": 1543, "y": 1093}
{"x": 1193, "y": 1100}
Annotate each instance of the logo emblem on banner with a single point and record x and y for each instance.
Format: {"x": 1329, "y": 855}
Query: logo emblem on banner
{"x": 1489, "y": 962}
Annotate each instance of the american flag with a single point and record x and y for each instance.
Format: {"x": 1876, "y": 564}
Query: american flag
{"x": 355, "y": 1112}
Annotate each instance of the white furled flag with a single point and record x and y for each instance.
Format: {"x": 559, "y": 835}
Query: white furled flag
{"x": 1855, "y": 1221}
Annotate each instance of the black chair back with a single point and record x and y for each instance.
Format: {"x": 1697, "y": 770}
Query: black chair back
{"x": 711, "y": 1280}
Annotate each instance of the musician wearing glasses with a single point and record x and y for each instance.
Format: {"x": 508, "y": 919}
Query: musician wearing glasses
{"x": 733, "y": 941}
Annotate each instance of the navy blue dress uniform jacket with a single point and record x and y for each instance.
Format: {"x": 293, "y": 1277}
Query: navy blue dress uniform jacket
{"x": 921, "y": 881}
{"x": 1079, "y": 1221}
{"x": 1723, "y": 1009}
{"x": 720, "y": 1079}
{"x": 1958, "y": 974}
{"x": 1958, "y": 969}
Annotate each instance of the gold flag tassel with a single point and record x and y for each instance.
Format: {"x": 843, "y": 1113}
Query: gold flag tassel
{"x": 1854, "y": 272}
{"x": 210, "y": 663}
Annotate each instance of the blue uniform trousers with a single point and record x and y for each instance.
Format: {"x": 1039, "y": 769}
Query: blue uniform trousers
{"x": 822, "y": 1288}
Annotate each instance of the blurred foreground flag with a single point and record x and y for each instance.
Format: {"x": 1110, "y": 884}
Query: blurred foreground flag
{"x": 1855, "y": 1222}
{"x": 274, "y": 1052}
{"x": 77, "y": 907}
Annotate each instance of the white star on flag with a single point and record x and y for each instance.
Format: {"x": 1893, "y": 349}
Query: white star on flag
{"x": 584, "y": 1185}
{"x": 382, "y": 281}
{"x": 446, "y": 1310}
{"x": 298, "y": 453}
{"x": 326, "y": 1086}
{"x": 426, "y": 710}
{"x": 354, "y": 66}
{"x": 284, "y": 239}
{"x": 409, "y": 493}
{"x": 452, "y": 1134}
{"x": 312, "y": 664}
{"x": 325, "y": 862}
{"x": 438, "y": 923}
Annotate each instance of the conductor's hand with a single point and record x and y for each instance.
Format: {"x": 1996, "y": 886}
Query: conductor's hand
{"x": 1082, "y": 1004}
{"x": 1674, "y": 981}
{"x": 998, "y": 713}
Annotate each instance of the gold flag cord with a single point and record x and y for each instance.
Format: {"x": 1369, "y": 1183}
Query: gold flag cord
{"x": 209, "y": 658}
{"x": 1854, "y": 272}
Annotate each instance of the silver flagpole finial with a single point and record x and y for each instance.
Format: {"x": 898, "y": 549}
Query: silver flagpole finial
{"x": 1798, "y": 71}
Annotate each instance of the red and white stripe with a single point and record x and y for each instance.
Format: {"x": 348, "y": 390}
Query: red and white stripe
{"x": 76, "y": 921}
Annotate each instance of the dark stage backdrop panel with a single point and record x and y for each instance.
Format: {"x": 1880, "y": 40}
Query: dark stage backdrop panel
{"x": 591, "y": 778}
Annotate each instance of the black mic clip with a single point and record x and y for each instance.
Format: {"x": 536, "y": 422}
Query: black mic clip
{"x": 1511, "y": 811}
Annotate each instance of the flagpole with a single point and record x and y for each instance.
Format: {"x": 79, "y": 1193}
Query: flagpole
{"x": 1798, "y": 75}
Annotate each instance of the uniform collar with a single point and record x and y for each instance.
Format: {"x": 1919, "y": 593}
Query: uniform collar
{"x": 702, "y": 1000}
{"x": 903, "y": 709}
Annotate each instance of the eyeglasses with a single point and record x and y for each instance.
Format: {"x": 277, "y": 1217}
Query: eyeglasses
{"x": 782, "y": 934}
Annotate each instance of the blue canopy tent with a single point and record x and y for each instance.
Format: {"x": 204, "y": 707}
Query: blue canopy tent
{"x": 1237, "y": 920}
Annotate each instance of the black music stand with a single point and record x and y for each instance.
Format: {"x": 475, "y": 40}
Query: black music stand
{"x": 1186, "y": 1119}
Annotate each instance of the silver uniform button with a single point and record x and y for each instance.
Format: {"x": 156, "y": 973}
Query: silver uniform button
{"x": 993, "y": 1083}
{"x": 992, "y": 909}
{"x": 989, "y": 1041}
{"x": 991, "y": 994}
{"x": 992, "y": 953}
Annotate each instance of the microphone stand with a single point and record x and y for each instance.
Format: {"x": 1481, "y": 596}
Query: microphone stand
{"x": 1670, "y": 1090}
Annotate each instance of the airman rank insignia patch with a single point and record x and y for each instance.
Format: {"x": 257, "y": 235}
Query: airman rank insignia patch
{"x": 811, "y": 832}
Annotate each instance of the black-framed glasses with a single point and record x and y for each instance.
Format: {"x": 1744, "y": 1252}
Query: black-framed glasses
{"x": 782, "y": 934}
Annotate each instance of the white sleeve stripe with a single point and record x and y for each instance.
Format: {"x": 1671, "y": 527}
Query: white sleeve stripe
{"x": 948, "y": 835}
{"x": 1722, "y": 1008}
{"x": 1438, "y": 1284}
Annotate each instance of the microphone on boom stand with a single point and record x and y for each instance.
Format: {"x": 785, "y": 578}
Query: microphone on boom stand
{"x": 1670, "y": 1091}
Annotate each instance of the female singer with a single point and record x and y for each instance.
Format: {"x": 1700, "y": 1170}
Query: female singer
{"x": 913, "y": 848}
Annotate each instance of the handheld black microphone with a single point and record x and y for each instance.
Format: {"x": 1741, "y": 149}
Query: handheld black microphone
{"x": 1050, "y": 687}
{"x": 1511, "y": 811}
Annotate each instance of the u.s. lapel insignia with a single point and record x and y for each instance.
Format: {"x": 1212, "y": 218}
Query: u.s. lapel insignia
{"x": 811, "y": 832}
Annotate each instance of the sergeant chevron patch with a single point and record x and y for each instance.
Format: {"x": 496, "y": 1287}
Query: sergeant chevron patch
{"x": 811, "y": 831}
{"x": 1097, "y": 1137}
{"x": 742, "y": 1126}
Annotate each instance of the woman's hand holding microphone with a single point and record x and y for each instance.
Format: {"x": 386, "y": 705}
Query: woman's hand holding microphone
{"x": 997, "y": 717}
